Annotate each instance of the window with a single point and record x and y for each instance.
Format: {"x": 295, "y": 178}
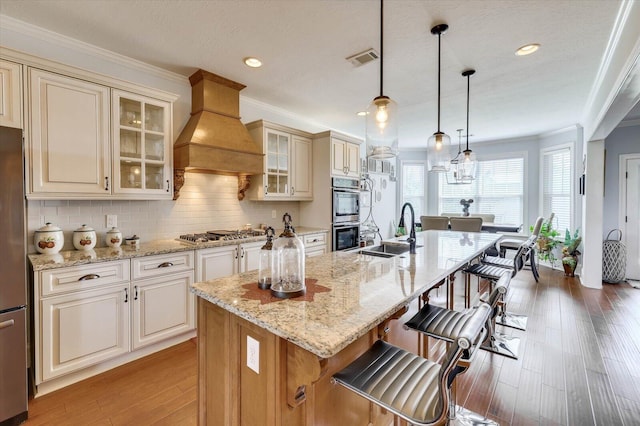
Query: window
{"x": 413, "y": 190}
{"x": 556, "y": 187}
{"x": 497, "y": 189}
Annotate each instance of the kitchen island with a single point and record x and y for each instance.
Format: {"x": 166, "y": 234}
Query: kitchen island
{"x": 268, "y": 361}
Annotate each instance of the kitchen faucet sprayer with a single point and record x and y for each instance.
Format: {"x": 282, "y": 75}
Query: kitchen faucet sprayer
{"x": 412, "y": 235}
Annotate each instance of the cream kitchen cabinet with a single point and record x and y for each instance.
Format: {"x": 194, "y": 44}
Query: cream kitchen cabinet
{"x": 93, "y": 317}
{"x": 288, "y": 163}
{"x": 162, "y": 305}
{"x": 69, "y": 145}
{"x": 315, "y": 244}
{"x": 345, "y": 158}
{"x": 142, "y": 146}
{"x": 10, "y": 94}
{"x": 227, "y": 260}
{"x": 92, "y": 137}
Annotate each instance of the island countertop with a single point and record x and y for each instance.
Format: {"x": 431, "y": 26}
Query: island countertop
{"x": 347, "y": 293}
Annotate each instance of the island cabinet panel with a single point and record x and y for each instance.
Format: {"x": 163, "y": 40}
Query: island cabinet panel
{"x": 292, "y": 386}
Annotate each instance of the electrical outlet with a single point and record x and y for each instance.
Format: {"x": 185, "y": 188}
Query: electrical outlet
{"x": 253, "y": 354}
{"x": 112, "y": 221}
{"x": 273, "y": 214}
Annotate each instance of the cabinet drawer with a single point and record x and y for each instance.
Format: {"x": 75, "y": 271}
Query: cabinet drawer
{"x": 151, "y": 266}
{"x": 74, "y": 278}
{"x": 313, "y": 240}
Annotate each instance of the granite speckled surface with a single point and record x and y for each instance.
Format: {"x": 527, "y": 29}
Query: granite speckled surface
{"x": 364, "y": 290}
{"x": 66, "y": 258}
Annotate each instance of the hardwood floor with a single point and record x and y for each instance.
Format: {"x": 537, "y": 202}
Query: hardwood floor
{"x": 579, "y": 365}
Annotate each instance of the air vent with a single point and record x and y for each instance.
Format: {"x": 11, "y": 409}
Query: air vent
{"x": 362, "y": 58}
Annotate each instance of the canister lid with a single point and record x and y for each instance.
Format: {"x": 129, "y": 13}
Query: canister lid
{"x": 48, "y": 227}
{"x": 113, "y": 230}
{"x": 84, "y": 228}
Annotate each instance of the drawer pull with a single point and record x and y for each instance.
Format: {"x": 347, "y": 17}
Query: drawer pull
{"x": 165, "y": 265}
{"x": 135, "y": 292}
{"x": 7, "y": 323}
{"x": 89, "y": 277}
{"x": 126, "y": 295}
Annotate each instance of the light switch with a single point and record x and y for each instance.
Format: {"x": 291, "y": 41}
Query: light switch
{"x": 253, "y": 354}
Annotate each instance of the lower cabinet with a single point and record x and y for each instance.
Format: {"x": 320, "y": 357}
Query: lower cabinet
{"x": 223, "y": 261}
{"x": 95, "y": 313}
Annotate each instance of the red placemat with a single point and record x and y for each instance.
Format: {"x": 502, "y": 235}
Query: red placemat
{"x": 264, "y": 296}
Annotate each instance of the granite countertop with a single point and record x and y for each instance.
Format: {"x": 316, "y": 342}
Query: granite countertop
{"x": 66, "y": 258}
{"x": 348, "y": 293}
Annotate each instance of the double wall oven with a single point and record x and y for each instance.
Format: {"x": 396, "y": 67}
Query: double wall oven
{"x": 345, "y": 213}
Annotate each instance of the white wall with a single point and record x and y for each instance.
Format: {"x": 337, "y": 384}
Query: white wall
{"x": 623, "y": 140}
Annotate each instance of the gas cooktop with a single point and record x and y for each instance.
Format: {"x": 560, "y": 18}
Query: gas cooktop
{"x": 217, "y": 235}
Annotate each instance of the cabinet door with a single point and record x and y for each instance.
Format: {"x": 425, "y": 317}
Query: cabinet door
{"x": 250, "y": 256}
{"x": 216, "y": 262}
{"x": 142, "y": 146}
{"x": 352, "y": 156}
{"x": 69, "y": 142}
{"x": 277, "y": 164}
{"x": 10, "y": 94}
{"x": 162, "y": 307}
{"x": 302, "y": 168}
{"x": 338, "y": 160}
{"x": 83, "y": 328}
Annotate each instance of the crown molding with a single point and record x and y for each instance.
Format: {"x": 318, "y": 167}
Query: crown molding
{"x": 26, "y": 29}
{"x": 629, "y": 123}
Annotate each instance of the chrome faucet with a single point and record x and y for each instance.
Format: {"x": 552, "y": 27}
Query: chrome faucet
{"x": 412, "y": 235}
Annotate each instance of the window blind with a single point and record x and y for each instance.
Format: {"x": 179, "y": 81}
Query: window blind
{"x": 497, "y": 189}
{"x": 556, "y": 187}
{"x": 413, "y": 186}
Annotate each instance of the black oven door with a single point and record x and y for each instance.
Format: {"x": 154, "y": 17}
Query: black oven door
{"x": 346, "y": 237}
{"x": 346, "y": 206}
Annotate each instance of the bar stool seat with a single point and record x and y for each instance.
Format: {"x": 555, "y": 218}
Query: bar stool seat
{"x": 409, "y": 386}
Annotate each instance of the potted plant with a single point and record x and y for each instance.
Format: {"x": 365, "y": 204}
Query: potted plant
{"x": 570, "y": 252}
{"x": 547, "y": 242}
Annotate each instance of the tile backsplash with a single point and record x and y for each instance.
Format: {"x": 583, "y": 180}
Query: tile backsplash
{"x": 206, "y": 202}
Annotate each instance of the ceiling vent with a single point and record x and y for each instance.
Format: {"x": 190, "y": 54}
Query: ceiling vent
{"x": 362, "y": 58}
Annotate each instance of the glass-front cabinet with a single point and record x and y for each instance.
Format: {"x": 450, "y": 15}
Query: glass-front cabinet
{"x": 142, "y": 146}
{"x": 277, "y": 159}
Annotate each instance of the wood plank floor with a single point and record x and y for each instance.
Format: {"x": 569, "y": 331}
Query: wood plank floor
{"x": 579, "y": 365}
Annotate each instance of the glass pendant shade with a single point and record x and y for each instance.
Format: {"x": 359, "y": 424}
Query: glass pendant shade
{"x": 439, "y": 152}
{"x": 382, "y": 128}
{"x": 288, "y": 277}
{"x": 467, "y": 168}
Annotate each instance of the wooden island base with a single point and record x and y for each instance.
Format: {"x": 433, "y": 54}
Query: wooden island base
{"x": 293, "y": 386}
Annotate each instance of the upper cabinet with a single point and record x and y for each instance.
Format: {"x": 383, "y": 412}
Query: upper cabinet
{"x": 10, "y": 94}
{"x": 141, "y": 145}
{"x": 345, "y": 158}
{"x": 287, "y": 163}
{"x": 89, "y": 140}
{"x": 69, "y": 146}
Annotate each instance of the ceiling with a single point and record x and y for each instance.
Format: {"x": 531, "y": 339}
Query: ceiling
{"x": 303, "y": 45}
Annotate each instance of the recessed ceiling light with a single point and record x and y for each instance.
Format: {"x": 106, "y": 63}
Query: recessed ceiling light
{"x": 361, "y": 113}
{"x": 252, "y": 62}
{"x": 527, "y": 49}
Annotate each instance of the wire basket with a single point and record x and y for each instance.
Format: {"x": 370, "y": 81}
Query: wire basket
{"x": 614, "y": 258}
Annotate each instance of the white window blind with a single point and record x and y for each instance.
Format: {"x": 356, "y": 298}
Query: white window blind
{"x": 413, "y": 186}
{"x": 497, "y": 189}
{"x": 556, "y": 187}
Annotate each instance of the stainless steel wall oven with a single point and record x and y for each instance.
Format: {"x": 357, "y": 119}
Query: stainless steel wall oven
{"x": 346, "y": 213}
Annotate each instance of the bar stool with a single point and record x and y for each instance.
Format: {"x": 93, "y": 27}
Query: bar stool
{"x": 492, "y": 273}
{"x": 434, "y": 222}
{"x": 442, "y": 324}
{"x": 411, "y": 387}
{"x": 466, "y": 224}
{"x": 512, "y": 244}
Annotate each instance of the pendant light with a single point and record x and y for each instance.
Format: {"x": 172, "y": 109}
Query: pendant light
{"x": 454, "y": 175}
{"x": 439, "y": 144}
{"x": 382, "y": 120}
{"x": 469, "y": 160}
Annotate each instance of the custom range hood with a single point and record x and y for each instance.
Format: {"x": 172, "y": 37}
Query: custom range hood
{"x": 214, "y": 140}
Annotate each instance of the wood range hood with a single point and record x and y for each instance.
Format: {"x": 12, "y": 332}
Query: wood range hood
{"x": 214, "y": 140}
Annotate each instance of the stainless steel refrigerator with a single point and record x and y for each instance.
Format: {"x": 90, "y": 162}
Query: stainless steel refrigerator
{"x": 13, "y": 272}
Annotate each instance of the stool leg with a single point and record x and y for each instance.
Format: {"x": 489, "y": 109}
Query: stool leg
{"x": 509, "y": 319}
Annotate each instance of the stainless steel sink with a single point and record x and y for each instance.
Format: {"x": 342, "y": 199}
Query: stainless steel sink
{"x": 374, "y": 251}
{"x": 387, "y": 249}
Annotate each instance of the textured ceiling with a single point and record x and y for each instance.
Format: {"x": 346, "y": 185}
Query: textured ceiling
{"x": 303, "y": 45}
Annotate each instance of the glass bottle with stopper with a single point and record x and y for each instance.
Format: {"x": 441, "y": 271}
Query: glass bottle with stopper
{"x": 266, "y": 261}
{"x": 287, "y": 280}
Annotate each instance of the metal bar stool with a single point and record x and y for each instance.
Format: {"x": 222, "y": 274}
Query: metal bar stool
{"x": 411, "y": 387}
{"x": 492, "y": 273}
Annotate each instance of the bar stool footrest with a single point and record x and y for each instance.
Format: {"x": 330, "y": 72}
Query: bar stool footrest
{"x": 502, "y": 344}
{"x": 466, "y": 417}
{"x": 509, "y": 319}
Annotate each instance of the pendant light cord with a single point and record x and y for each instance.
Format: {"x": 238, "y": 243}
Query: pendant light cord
{"x": 381, "y": 44}
{"x": 468, "y": 85}
{"x": 439, "y": 35}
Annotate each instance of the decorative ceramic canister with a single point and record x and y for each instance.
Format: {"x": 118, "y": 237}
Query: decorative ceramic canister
{"x": 114, "y": 237}
{"x": 49, "y": 239}
{"x": 84, "y": 238}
